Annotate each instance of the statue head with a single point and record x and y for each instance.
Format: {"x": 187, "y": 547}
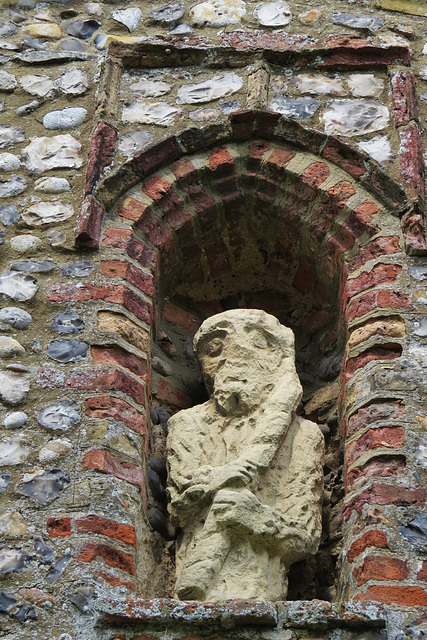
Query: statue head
{"x": 240, "y": 352}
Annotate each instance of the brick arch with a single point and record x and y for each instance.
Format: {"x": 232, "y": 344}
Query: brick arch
{"x": 344, "y": 218}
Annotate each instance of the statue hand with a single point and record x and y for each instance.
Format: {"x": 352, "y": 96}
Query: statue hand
{"x": 237, "y": 474}
{"x": 234, "y": 508}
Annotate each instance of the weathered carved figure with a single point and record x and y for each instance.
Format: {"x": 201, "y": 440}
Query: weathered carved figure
{"x": 245, "y": 471}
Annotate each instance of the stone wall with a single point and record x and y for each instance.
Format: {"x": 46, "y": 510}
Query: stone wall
{"x": 160, "y": 165}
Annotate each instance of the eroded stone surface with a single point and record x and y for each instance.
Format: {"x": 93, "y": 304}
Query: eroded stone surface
{"x": 12, "y": 523}
{"x": 9, "y": 214}
{"x": 7, "y": 82}
{"x": 9, "y": 162}
{"x": 47, "y": 213}
{"x": 15, "y": 420}
{"x": 354, "y": 117}
{"x": 44, "y": 154}
{"x": 358, "y": 21}
{"x": 231, "y": 465}
{"x": 25, "y": 243}
{"x": 52, "y": 185}
{"x": 11, "y": 560}
{"x": 145, "y": 88}
{"x": 9, "y": 347}
{"x": 54, "y": 450}
{"x": 73, "y": 82}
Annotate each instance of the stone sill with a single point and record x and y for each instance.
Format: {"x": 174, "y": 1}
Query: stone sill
{"x": 303, "y": 614}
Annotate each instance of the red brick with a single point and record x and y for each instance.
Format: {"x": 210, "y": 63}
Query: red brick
{"x": 277, "y": 162}
{"x": 133, "y": 275}
{"x": 158, "y": 154}
{"x": 378, "y": 299}
{"x": 379, "y": 467}
{"x": 404, "y": 595}
{"x": 385, "y": 494}
{"x": 242, "y": 124}
{"x": 384, "y": 352}
{"x": 385, "y": 245}
{"x": 221, "y": 162}
{"x": 118, "y": 294}
{"x": 348, "y": 159}
{"x": 315, "y": 174}
{"x": 93, "y": 380}
{"x": 366, "y": 211}
{"x": 372, "y": 538}
{"x": 375, "y": 412}
{"x": 413, "y": 229}
{"x": 341, "y": 192}
{"x": 116, "y": 355}
{"x": 118, "y": 238}
{"x": 185, "y": 171}
{"x": 113, "y": 557}
{"x": 109, "y": 407}
{"x": 379, "y": 274}
{"x": 422, "y": 573}
{"x": 263, "y": 40}
{"x": 101, "y": 153}
{"x": 256, "y": 152}
{"x": 347, "y": 41}
{"x": 106, "y": 527}
{"x": 148, "y": 258}
{"x": 411, "y": 158}
{"x": 380, "y": 568}
{"x": 131, "y": 209}
{"x": 166, "y": 392}
{"x": 59, "y": 527}
{"x": 404, "y": 97}
{"x": 116, "y": 582}
{"x": 88, "y": 225}
{"x": 363, "y": 57}
{"x": 382, "y": 437}
{"x": 177, "y": 316}
{"x": 104, "y": 461}
{"x": 156, "y": 187}
{"x": 154, "y": 229}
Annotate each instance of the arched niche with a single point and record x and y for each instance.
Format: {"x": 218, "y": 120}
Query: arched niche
{"x": 293, "y": 223}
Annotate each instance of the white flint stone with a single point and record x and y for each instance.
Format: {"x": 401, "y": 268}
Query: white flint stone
{"x": 9, "y": 347}
{"x": 41, "y": 86}
{"x": 273, "y": 14}
{"x": 158, "y": 113}
{"x": 56, "y": 238}
{"x": 47, "y": 213}
{"x": 319, "y": 84}
{"x": 9, "y": 162}
{"x": 149, "y": 88}
{"x": 44, "y": 154}
{"x": 93, "y": 9}
{"x": 12, "y": 187}
{"x": 15, "y": 317}
{"x": 12, "y": 452}
{"x": 129, "y": 17}
{"x": 25, "y": 243}
{"x": 72, "y": 82}
{"x": 217, "y": 13}
{"x": 133, "y": 142}
{"x": 379, "y": 148}
{"x": 18, "y": 286}
{"x": 65, "y": 118}
{"x": 354, "y": 117}
{"x": 52, "y": 185}
{"x": 10, "y": 135}
{"x": 211, "y": 89}
{"x": 15, "y": 420}
{"x": 204, "y": 115}
{"x": 14, "y": 387}
{"x": 12, "y": 523}
{"x": 55, "y": 449}
{"x": 365, "y": 85}
{"x": 7, "y": 81}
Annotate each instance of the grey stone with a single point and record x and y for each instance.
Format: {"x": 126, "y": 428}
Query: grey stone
{"x": 9, "y": 162}
{"x": 67, "y": 350}
{"x": 67, "y": 322}
{"x": 56, "y": 238}
{"x": 129, "y": 17}
{"x": 52, "y": 55}
{"x": 217, "y": 13}
{"x": 18, "y": 286}
{"x": 15, "y": 420}
{"x": 52, "y": 185}
{"x": 93, "y": 8}
{"x": 298, "y": 108}
{"x": 158, "y": 113}
{"x": 421, "y": 454}
{"x": 132, "y": 143}
{"x": 12, "y": 452}
{"x": 47, "y": 213}
{"x": 182, "y": 30}
{"x": 59, "y": 415}
{"x": 358, "y": 21}
{"x": 354, "y": 117}
{"x": 72, "y": 45}
{"x": 7, "y": 602}
{"x": 11, "y": 560}
{"x": 10, "y": 135}
{"x": 34, "y": 43}
{"x": 7, "y": 82}
{"x": 25, "y": 612}
{"x": 17, "y": 17}
{"x": 9, "y": 214}
{"x": 57, "y": 152}
{"x": 7, "y": 29}
{"x": 14, "y": 387}
{"x": 159, "y": 522}
{"x": 32, "y": 266}
{"x": 44, "y": 486}
{"x": 146, "y": 88}
{"x": 12, "y": 187}
{"x": 415, "y": 531}
{"x": 419, "y": 327}
{"x": 83, "y": 29}
{"x": 5, "y": 481}
{"x": 204, "y": 115}
{"x": 25, "y": 243}
{"x": 65, "y": 119}
{"x": 156, "y": 486}
{"x": 77, "y": 269}
{"x": 26, "y": 109}
{"x": 161, "y": 366}
{"x": 216, "y": 87}
{"x": 41, "y": 86}
{"x": 15, "y": 317}
{"x": 72, "y": 82}
{"x": 9, "y": 46}
{"x": 47, "y": 553}
{"x": 419, "y": 273}
{"x": 56, "y": 571}
{"x": 168, "y": 14}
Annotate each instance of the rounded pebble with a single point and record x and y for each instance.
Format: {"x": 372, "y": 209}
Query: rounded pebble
{"x": 15, "y": 420}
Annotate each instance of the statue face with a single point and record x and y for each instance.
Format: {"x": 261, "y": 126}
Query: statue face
{"x": 237, "y": 366}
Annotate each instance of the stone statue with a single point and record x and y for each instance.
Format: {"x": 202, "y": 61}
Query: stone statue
{"x": 245, "y": 471}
